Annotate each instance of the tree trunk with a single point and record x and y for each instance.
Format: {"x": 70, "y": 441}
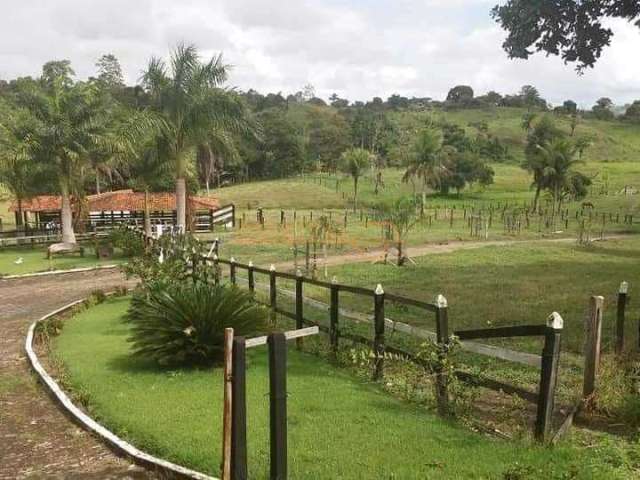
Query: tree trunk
{"x": 206, "y": 183}
{"x": 181, "y": 204}
{"x": 147, "y": 213}
{"x": 324, "y": 254}
{"x": 400, "y": 255}
{"x": 19, "y": 221}
{"x": 97, "y": 182}
{"x": 536, "y": 198}
{"x": 355, "y": 194}
{"x": 68, "y": 235}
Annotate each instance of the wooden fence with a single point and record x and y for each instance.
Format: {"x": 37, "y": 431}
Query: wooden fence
{"x": 437, "y": 313}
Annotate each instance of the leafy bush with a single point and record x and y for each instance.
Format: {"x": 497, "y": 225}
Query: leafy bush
{"x": 128, "y": 241}
{"x": 183, "y": 323}
{"x": 177, "y": 253}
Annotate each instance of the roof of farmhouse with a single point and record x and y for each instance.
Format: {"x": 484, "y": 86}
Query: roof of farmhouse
{"x": 117, "y": 201}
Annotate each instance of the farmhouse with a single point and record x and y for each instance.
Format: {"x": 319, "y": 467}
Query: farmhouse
{"x": 105, "y": 210}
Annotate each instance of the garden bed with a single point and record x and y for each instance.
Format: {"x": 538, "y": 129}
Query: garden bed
{"x": 340, "y": 426}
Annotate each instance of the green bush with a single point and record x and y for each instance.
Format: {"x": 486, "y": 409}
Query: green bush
{"x": 127, "y": 240}
{"x": 183, "y": 323}
{"x": 177, "y": 259}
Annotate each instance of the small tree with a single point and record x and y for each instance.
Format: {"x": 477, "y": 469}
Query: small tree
{"x": 320, "y": 231}
{"x": 402, "y": 216}
{"x": 355, "y": 162}
{"x": 559, "y": 160}
{"x": 425, "y": 160}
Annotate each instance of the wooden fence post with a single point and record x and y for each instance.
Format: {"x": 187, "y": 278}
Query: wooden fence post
{"x": 621, "y": 307}
{"x": 299, "y": 306}
{"x": 239, "y": 411}
{"x": 216, "y": 270}
{"x": 278, "y": 405}
{"x": 442, "y": 337}
{"x": 378, "y": 338}
{"x": 228, "y": 404}
{"x": 251, "y": 277}
{"x": 232, "y": 271}
{"x": 548, "y": 376}
{"x": 333, "y": 316}
{"x": 273, "y": 298}
{"x": 593, "y": 334}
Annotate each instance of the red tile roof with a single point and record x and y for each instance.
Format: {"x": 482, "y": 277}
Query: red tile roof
{"x": 119, "y": 200}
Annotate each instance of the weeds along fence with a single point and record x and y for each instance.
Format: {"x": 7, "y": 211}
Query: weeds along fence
{"x": 291, "y": 295}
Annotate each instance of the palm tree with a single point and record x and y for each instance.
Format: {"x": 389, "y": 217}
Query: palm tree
{"x": 354, "y": 162}
{"x": 16, "y": 165}
{"x": 189, "y": 96}
{"x": 401, "y": 215}
{"x": 69, "y": 120}
{"x": 426, "y": 160}
{"x": 558, "y": 158}
{"x": 211, "y": 156}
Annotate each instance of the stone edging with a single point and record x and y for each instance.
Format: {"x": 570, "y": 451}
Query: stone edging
{"x": 59, "y": 272}
{"x": 90, "y": 424}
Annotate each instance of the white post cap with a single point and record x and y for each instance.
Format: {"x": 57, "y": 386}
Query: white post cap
{"x": 298, "y": 272}
{"x": 272, "y": 268}
{"x": 233, "y": 260}
{"x": 624, "y": 288}
{"x": 441, "y": 301}
{"x": 250, "y": 264}
{"x": 334, "y": 279}
{"x": 555, "y": 321}
{"x": 379, "y": 290}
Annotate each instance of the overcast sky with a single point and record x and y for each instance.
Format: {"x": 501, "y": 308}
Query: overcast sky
{"x": 358, "y": 48}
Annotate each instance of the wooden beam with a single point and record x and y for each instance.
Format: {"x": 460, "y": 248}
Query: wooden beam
{"x": 290, "y": 335}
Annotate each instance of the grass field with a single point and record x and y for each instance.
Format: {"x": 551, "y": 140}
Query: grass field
{"x": 35, "y": 260}
{"x": 519, "y": 284}
{"x": 339, "y": 426}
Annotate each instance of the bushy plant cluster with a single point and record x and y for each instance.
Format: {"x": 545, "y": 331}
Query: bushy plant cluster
{"x": 170, "y": 259}
{"x": 183, "y": 323}
{"x": 127, "y": 240}
{"x": 177, "y": 315}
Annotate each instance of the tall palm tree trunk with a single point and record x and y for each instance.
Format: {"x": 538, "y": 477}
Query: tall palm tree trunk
{"x": 68, "y": 235}
{"x": 147, "y": 213}
{"x": 181, "y": 203}
{"x": 19, "y": 214}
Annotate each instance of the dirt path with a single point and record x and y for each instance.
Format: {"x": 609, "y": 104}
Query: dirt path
{"x": 36, "y": 439}
{"x": 432, "y": 249}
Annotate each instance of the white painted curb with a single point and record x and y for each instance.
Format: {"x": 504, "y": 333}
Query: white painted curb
{"x": 59, "y": 272}
{"x": 90, "y": 424}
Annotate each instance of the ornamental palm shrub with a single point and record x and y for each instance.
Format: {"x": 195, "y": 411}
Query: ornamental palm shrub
{"x": 182, "y": 323}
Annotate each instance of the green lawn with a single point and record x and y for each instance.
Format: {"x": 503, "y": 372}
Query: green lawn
{"x": 35, "y": 260}
{"x": 339, "y": 426}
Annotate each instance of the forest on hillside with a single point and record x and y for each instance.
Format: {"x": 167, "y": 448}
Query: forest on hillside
{"x": 182, "y": 128}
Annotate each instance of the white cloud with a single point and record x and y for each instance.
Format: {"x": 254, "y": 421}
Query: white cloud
{"x": 356, "y": 48}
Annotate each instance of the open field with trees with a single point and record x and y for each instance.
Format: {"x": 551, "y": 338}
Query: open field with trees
{"x": 455, "y": 277}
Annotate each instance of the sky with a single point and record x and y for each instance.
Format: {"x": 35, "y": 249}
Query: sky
{"x": 358, "y": 49}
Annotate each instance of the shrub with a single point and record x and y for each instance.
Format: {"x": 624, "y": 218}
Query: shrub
{"x": 183, "y": 323}
{"x": 177, "y": 253}
{"x": 128, "y": 241}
